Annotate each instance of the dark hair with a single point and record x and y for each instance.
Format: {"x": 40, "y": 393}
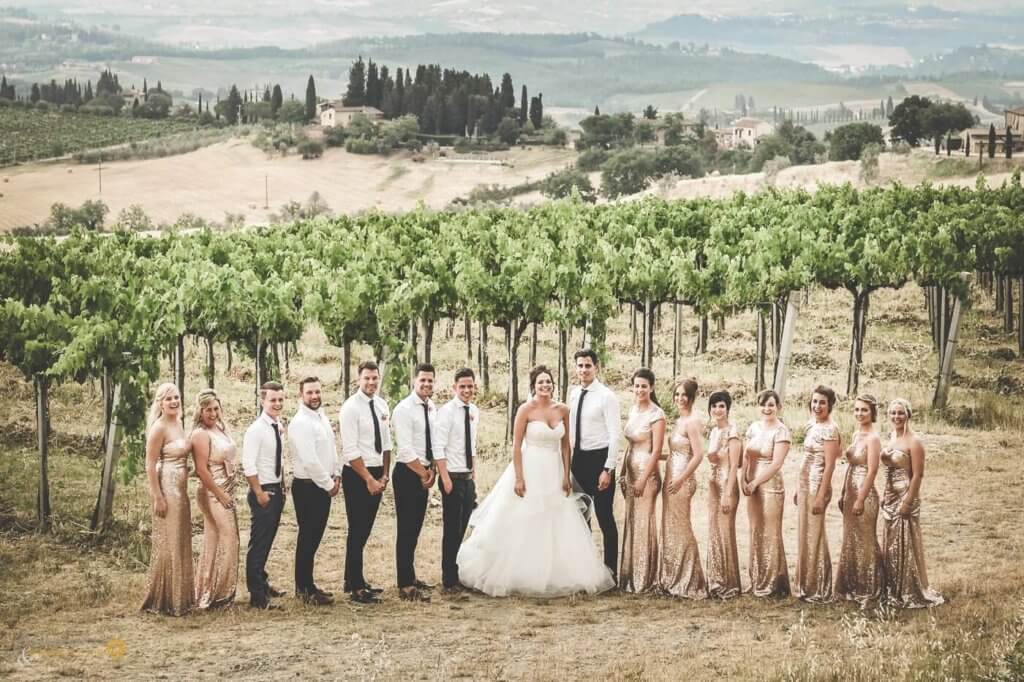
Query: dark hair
{"x": 270, "y": 386}
{"x": 829, "y": 394}
{"x": 536, "y": 372}
{"x": 872, "y": 404}
{"x": 720, "y": 397}
{"x": 308, "y": 380}
{"x": 689, "y": 386}
{"x": 463, "y": 373}
{"x": 423, "y": 367}
{"x": 648, "y": 376}
{"x": 367, "y": 365}
{"x": 586, "y": 353}
{"x": 763, "y": 396}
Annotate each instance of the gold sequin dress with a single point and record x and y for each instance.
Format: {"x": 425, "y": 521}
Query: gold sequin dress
{"x": 905, "y": 576}
{"x": 681, "y": 573}
{"x": 859, "y": 571}
{"x": 813, "y": 561}
{"x": 723, "y": 573}
{"x": 171, "y": 573}
{"x": 217, "y": 572}
{"x": 638, "y": 569}
{"x": 769, "y": 574}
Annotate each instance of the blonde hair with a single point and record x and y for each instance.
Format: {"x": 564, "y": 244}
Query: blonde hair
{"x": 905, "y": 404}
{"x": 872, "y": 403}
{"x": 204, "y": 398}
{"x": 155, "y": 409}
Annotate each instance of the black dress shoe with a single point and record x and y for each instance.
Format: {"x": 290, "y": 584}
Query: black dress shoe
{"x": 368, "y": 588}
{"x": 420, "y": 585}
{"x": 456, "y": 588}
{"x": 264, "y": 606}
{"x": 323, "y": 592}
{"x": 364, "y": 597}
{"x": 413, "y": 594}
{"x": 316, "y": 599}
{"x": 274, "y": 592}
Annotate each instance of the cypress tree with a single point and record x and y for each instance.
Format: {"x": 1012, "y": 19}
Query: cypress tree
{"x": 234, "y": 106}
{"x": 992, "y": 140}
{"x": 508, "y": 93}
{"x": 597, "y": 111}
{"x": 276, "y": 99}
{"x": 373, "y": 90}
{"x": 310, "y": 99}
{"x": 355, "y": 96}
{"x": 523, "y": 103}
{"x": 537, "y": 111}
{"x": 1009, "y": 143}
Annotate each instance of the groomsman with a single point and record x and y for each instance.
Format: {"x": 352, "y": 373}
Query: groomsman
{"x": 316, "y": 478}
{"x": 366, "y": 451}
{"x": 413, "y": 475}
{"x": 454, "y": 452}
{"x": 594, "y": 434}
{"x": 262, "y": 464}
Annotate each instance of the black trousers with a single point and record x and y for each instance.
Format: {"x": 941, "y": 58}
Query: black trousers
{"x": 587, "y": 466}
{"x": 361, "y": 509}
{"x": 410, "y": 509}
{"x": 312, "y": 508}
{"x": 262, "y": 531}
{"x": 455, "y": 510}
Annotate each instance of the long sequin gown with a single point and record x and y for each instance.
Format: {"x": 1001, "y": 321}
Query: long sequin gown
{"x": 638, "y": 568}
{"x": 217, "y": 572}
{"x": 813, "y": 561}
{"x": 723, "y": 572}
{"x": 905, "y": 576}
{"x": 769, "y": 574}
{"x": 171, "y": 587}
{"x": 681, "y": 573}
{"x": 859, "y": 571}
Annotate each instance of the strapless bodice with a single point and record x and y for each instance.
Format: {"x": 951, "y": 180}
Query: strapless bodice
{"x": 540, "y": 435}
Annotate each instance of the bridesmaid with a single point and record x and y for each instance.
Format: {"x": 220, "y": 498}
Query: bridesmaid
{"x": 681, "y": 573}
{"x": 905, "y": 581}
{"x": 859, "y": 573}
{"x": 214, "y": 453}
{"x": 640, "y": 481}
{"x": 171, "y": 588}
{"x": 767, "y": 444}
{"x": 814, "y": 490}
{"x": 724, "y": 450}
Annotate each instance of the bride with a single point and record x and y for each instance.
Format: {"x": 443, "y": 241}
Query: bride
{"x": 529, "y": 535}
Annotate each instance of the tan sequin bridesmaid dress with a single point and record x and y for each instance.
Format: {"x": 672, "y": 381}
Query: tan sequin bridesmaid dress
{"x": 813, "y": 561}
{"x": 905, "y": 576}
{"x": 769, "y": 574}
{"x": 681, "y": 573}
{"x": 859, "y": 571}
{"x": 171, "y": 573}
{"x": 638, "y": 571}
{"x": 723, "y": 574}
{"x": 217, "y": 572}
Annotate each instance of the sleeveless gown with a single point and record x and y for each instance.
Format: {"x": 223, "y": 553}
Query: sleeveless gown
{"x": 217, "y": 572}
{"x": 538, "y": 545}
{"x": 905, "y": 574}
{"x": 638, "y": 569}
{"x": 681, "y": 573}
{"x": 171, "y": 572}
{"x": 813, "y": 561}
{"x": 859, "y": 572}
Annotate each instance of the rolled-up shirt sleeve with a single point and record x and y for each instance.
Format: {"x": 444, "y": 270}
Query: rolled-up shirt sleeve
{"x": 302, "y": 435}
{"x": 348, "y": 422}
{"x": 250, "y": 450}
{"x": 612, "y": 421}
{"x": 442, "y": 427}
{"x": 402, "y": 421}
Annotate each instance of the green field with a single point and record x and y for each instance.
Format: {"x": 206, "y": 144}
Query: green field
{"x": 29, "y": 134}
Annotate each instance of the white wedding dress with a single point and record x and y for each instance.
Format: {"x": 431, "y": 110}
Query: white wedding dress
{"x": 537, "y": 545}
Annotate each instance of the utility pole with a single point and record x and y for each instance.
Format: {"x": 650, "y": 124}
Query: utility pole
{"x": 99, "y": 168}
{"x": 266, "y": 190}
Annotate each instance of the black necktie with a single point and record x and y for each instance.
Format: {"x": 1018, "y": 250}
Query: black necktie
{"x": 426, "y": 426}
{"x": 469, "y": 441}
{"x": 277, "y": 451}
{"x": 579, "y": 418}
{"x": 377, "y": 445}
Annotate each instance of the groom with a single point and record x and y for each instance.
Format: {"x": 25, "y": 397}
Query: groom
{"x": 594, "y": 434}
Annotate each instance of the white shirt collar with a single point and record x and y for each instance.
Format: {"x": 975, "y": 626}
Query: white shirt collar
{"x": 270, "y": 420}
{"x": 303, "y": 407}
{"x": 594, "y": 386}
{"x": 368, "y": 398}
{"x": 420, "y": 401}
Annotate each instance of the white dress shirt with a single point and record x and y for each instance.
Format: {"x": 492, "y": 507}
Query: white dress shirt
{"x": 450, "y": 429}
{"x": 314, "y": 455}
{"x": 259, "y": 450}
{"x": 600, "y": 420}
{"x": 411, "y": 431}
{"x": 357, "y": 429}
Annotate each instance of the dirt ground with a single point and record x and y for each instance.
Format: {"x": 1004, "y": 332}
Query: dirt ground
{"x": 236, "y": 177}
{"x": 70, "y": 604}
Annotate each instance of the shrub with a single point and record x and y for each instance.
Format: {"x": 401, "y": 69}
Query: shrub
{"x": 591, "y": 160}
{"x": 561, "y": 183}
{"x": 627, "y": 172}
{"x": 361, "y": 145}
{"x": 334, "y": 136}
{"x": 310, "y": 149}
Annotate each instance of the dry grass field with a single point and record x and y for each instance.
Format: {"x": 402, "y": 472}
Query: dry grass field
{"x": 69, "y": 602}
